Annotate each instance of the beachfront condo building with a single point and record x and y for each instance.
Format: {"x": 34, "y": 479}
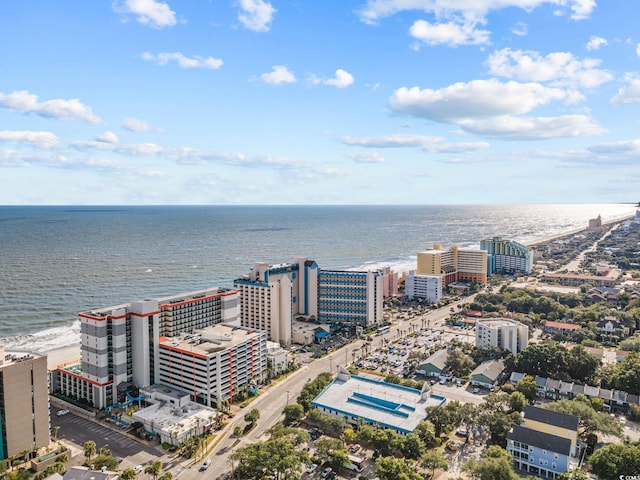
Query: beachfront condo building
{"x": 503, "y": 333}
{"x": 507, "y": 256}
{"x": 453, "y": 265}
{"x": 24, "y": 403}
{"x": 423, "y": 287}
{"x": 353, "y": 298}
{"x": 271, "y": 295}
{"x": 119, "y": 345}
{"x": 214, "y": 363}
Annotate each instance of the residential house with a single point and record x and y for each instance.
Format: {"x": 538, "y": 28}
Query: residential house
{"x": 487, "y": 373}
{"x": 563, "y": 328}
{"x": 434, "y": 365}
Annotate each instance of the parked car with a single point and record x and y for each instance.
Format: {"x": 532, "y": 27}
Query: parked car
{"x": 205, "y": 465}
{"x": 453, "y": 446}
{"x": 312, "y": 468}
{"x": 461, "y": 432}
{"x": 326, "y": 472}
{"x": 62, "y": 412}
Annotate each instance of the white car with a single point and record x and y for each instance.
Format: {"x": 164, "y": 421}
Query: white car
{"x": 312, "y": 468}
{"x": 138, "y": 469}
{"x": 62, "y": 412}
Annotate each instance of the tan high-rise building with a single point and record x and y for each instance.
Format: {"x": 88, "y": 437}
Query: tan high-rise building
{"x": 455, "y": 264}
{"x": 24, "y": 403}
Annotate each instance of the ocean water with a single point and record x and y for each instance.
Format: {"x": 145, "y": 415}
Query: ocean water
{"x": 58, "y": 261}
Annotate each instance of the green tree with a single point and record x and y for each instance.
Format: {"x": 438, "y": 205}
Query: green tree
{"x": 427, "y": 433}
{"x": 517, "y": 401}
{"x": 433, "y": 460}
{"x": 391, "y": 468}
{"x": 237, "y": 431}
{"x": 590, "y": 420}
{"x": 128, "y": 474}
{"x": 104, "y": 461}
{"x": 89, "y": 449}
{"x": 312, "y": 389}
{"x": 582, "y": 365}
{"x": 439, "y": 418}
{"x": 495, "y": 465}
{"x": 411, "y": 446}
{"x": 154, "y": 469}
{"x": 615, "y": 461}
{"x": 252, "y": 416}
{"x": 547, "y": 358}
{"x": 527, "y": 386}
{"x": 166, "y": 476}
{"x": 293, "y": 412}
{"x": 459, "y": 363}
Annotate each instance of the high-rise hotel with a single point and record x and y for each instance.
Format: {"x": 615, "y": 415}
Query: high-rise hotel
{"x": 507, "y": 256}
{"x": 454, "y": 265}
{"x": 271, "y": 296}
{"x": 24, "y": 403}
{"x": 119, "y": 344}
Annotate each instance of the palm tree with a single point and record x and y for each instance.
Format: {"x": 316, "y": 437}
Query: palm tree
{"x": 128, "y": 474}
{"x": 89, "y": 449}
{"x": 56, "y": 429}
{"x": 166, "y": 476}
{"x": 154, "y": 469}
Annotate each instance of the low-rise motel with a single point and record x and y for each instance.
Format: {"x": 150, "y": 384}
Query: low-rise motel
{"x": 361, "y": 400}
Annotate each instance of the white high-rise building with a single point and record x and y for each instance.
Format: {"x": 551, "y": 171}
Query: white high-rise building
{"x": 423, "y": 287}
{"x": 503, "y": 333}
{"x": 270, "y": 296}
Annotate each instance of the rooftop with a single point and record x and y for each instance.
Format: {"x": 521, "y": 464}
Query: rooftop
{"x": 545, "y": 441}
{"x": 490, "y": 369}
{"x": 544, "y": 415}
{"x": 389, "y": 405}
{"x": 210, "y": 340}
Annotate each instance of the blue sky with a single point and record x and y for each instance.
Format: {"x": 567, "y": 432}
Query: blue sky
{"x": 319, "y": 102}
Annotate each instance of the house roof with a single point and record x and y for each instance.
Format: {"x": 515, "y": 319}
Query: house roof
{"x": 540, "y": 381}
{"x": 553, "y": 384}
{"x": 438, "y": 359}
{"x": 490, "y": 369}
{"x": 544, "y": 415}
{"x": 516, "y": 377}
{"x": 562, "y": 325}
{"x": 545, "y": 441}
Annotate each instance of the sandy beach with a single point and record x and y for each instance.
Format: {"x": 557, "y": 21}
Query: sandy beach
{"x": 60, "y": 357}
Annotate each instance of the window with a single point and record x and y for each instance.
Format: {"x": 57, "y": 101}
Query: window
{"x": 553, "y": 465}
{"x": 555, "y": 456}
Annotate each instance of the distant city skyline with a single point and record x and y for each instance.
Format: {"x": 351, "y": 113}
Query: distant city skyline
{"x": 150, "y": 102}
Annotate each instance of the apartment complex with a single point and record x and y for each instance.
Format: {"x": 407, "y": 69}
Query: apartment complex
{"x": 24, "y": 403}
{"x": 119, "y": 345}
{"x": 350, "y": 297}
{"x": 214, "y": 362}
{"x": 507, "y": 256}
{"x": 503, "y": 333}
{"x": 454, "y": 265}
{"x": 423, "y": 287}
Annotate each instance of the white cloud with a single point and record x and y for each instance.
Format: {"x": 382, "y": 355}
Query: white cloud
{"x": 278, "y": 75}
{"x": 366, "y": 157}
{"x": 148, "y": 12}
{"x": 520, "y": 29}
{"x": 41, "y": 140}
{"x": 475, "y": 99}
{"x": 136, "y": 125}
{"x": 341, "y": 80}
{"x": 533, "y": 128}
{"x": 558, "y": 68}
{"x": 391, "y": 141}
{"x": 107, "y": 137}
{"x": 375, "y": 10}
{"x": 182, "y": 61}
{"x": 450, "y": 33}
{"x": 629, "y": 94}
{"x": 25, "y": 102}
{"x": 492, "y": 109}
{"x": 427, "y": 143}
{"x": 595, "y": 43}
{"x": 256, "y": 15}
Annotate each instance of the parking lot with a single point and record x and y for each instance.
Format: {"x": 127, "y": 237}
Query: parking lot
{"x": 75, "y": 431}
